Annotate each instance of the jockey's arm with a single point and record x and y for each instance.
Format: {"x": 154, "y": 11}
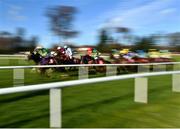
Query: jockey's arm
{"x": 69, "y": 51}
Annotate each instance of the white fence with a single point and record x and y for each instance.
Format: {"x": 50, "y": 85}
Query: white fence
{"x": 111, "y": 69}
{"x": 86, "y": 65}
{"x": 140, "y": 92}
{"x": 17, "y": 56}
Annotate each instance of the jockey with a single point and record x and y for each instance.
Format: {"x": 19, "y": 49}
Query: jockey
{"x": 37, "y": 49}
{"x": 95, "y": 54}
{"x": 68, "y": 52}
{"x": 89, "y": 51}
{"x": 43, "y": 52}
{"x": 61, "y": 50}
{"x": 53, "y": 54}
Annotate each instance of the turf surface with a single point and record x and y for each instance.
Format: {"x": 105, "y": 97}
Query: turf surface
{"x": 104, "y": 105}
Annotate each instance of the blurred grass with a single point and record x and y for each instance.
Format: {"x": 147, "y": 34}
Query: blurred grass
{"x": 105, "y": 105}
{"x": 110, "y": 105}
{"x": 176, "y": 58}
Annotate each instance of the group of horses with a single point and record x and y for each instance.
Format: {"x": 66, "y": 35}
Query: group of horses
{"x": 62, "y": 59}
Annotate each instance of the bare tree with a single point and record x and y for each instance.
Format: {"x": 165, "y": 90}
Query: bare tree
{"x": 61, "y": 18}
{"x": 123, "y": 31}
{"x": 20, "y": 32}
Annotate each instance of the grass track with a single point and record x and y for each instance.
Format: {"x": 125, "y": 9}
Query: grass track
{"x": 107, "y": 104}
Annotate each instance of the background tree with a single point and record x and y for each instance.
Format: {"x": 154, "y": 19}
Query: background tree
{"x": 33, "y": 42}
{"x": 103, "y": 40}
{"x": 144, "y": 43}
{"x": 20, "y": 32}
{"x": 61, "y": 19}
{"x": 19, "y": 37}
{"x": 123, "y": 32}
{"x": 174, "y": 40}
{"x": 16, "y": 42}
{"x": 5, "y": 34}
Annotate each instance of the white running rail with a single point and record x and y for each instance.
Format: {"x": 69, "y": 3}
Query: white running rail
{"x": 79, "y": 82}
{"x": 16, "y": 56}
{"x": 86, "y": 65}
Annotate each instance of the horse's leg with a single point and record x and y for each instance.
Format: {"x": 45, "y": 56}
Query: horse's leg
{"x": 42, "y": 71}
{"x": 49, "y": 72}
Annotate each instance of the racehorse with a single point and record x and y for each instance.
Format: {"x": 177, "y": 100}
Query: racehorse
{"x": 35, "y": 57}
{"x": 62, "y": 58}
{"x": 87, "y": 59}
{"x": 48, "y": 60}
{"x": 39, "y": 60}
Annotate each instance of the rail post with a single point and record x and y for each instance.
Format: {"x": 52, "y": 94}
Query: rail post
{"x": 141, "y": 90}
{"x": 111, "y": 70}
{"x": 142, "y": 69}
{"x": 157, "y": 68}
{"x": 176, "y": 79}
{"x": 18, "y": 77}
{"x": 55, "y": 108}
{"x": 83, "y": 72}
{"x": 141, "y": 85}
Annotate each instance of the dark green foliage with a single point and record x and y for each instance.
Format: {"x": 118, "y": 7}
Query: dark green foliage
{"x": 103, "y": 40}
{"x": 144, "y": 43}
{"x": 13, "y": 43}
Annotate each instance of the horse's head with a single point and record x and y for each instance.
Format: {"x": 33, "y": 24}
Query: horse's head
{"x": 35, "y": 57}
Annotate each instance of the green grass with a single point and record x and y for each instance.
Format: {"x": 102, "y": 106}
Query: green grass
{"x": 111, "y": 105}
{"x": 176, "y": 58}
{"x": 106, "y": 105}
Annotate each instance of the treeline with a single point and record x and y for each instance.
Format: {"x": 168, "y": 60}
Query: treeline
{"x": 124, "y": 39}
{"x": 16, "y": 42}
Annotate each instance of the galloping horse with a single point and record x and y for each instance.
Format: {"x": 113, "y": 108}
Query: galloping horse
{"x": 62, "y": 58}
{"x": 90, "y": 60}
{"x": 39, "y": 60}
{"x": 35, "y": 57}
